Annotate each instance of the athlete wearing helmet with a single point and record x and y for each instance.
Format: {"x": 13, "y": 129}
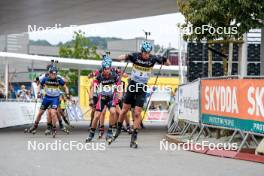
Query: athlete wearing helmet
{"x": 143, "y": 63}
{"x": 51, "y": 84}
{"x": 105, "y": 82}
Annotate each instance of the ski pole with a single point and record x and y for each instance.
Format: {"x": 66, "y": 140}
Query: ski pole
{"x": 157, "y": 77}
{"x": 156, "y": 80}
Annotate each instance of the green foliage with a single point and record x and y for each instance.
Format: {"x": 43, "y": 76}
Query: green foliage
{"x": 243, "y": 14}
{"x": 79, "y": 48}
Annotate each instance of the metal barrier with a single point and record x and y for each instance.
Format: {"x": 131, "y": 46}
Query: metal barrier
{"x": 246, "y": 101}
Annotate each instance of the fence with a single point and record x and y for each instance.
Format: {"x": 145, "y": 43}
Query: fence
{"x": 226, "y": 103}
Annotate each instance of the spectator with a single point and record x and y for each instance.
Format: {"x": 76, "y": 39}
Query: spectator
{"x": 2, "y": 95}
{"x": 34, "y": 87}
{"x": 22, "y": 93}
{"x": 28, "y": 95}
{"x": 12, "y": 93}
{"x": 152, "y": 107}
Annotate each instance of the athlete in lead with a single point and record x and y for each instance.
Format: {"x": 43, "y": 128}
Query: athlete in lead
{"x": 143, "y": 63}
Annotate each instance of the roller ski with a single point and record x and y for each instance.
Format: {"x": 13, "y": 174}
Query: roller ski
{"x": 32, "y": 130}
{"x": 65, "y": 130}
{"x": 101, "y": 133}
{"x": 133, "y": 143}
{"x": 91, "y": 136}
{"x": 48, "y": 132}
{"x": 109, "y": 136}
{"x": 117, "y": 133}
{"x": 129, "y": 130}
{"x": 54, "y": 132}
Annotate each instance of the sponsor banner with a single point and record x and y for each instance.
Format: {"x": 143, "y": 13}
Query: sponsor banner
{"x": 157, "y": 116}
{"x": 188, "y": 102}
{"x": 234, "y": 103}
{"x": 18, "y": 113}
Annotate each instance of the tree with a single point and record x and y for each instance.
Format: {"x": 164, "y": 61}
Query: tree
{"x": 80, "y": 48}
{"x": 241, "y": 15}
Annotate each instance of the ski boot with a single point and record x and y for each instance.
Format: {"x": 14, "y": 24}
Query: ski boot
{"x": 109, "y": 135}
{"x": 117, "y": 133}
{"x": 32, "y": 129}
{"x": 48, "y": 131}
{"x": 124, "y": 129}
{"x": 91, "y": 136}
{"x": 54, "y": 132}
{"x": 63, "y": 128}
{"x": 129, "y": 130}
{"x": 101, "y": 133}
{"x": 133, "y": 143}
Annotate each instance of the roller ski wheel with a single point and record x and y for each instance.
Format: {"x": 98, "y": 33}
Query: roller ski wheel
{"x": 133, "y": 144}
{"x": 54, "y": 134}
{"x": 48, "y": 132}
{"x": 65, "y": 130}
{"x": 101, "y": 135}
{"x": 32, "y": 130}
{"x": 110, "y": 141}
{"x": 26, "y": 130}
{"x": 109, "y": 136}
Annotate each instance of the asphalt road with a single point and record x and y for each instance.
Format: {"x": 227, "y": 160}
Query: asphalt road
{"x": 117, "y": 159}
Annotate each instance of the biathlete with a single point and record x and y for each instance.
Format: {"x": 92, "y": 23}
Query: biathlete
{"x": 51, "y": 84}
{"x": 106, "y": 82}
{"x": 143, "y": 63}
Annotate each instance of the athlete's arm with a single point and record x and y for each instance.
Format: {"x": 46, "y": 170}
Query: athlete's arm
{"x": 94, "y": 86}
{"x": 162, "y": 60}
{"x": 122, "y": 57}
{"x": 62, "y": 83}
{"x": 66, "y": 89}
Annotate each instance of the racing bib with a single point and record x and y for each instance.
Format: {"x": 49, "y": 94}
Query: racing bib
{"x": 141, "y": 74}
{"x": 52, "y": 91}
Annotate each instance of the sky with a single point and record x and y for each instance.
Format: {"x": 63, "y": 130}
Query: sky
{"x": 163, "y": 29}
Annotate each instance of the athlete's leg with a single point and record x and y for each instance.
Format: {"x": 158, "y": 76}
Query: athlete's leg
{"x": 121, "y": 118}
{"x": 93, "y": 105}
{"x": 59, "y": 119}
{"x": 49, "y": 123}
{"x": 112, "y": 123}
{"x": 92, "y": 116}
{"x": 53, "y": 111}
{"x": 62, "y": 113}
{"x": 102, "y": 116}
{"x": 99, "y": 108}
{"x": 137, "y": 117}
{"x": 42, "y": 109}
